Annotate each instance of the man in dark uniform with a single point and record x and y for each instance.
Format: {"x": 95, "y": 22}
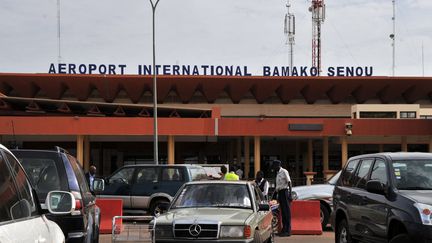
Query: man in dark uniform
{"x": 90, "y": 176}
{"x": 283, "y": 190}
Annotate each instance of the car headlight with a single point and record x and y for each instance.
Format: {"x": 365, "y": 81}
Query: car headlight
{"x": 232, "y": 232}
{"x": 163, "y": 231}
{"x": 294, "y": 195}
{"x": 425, "y": 211}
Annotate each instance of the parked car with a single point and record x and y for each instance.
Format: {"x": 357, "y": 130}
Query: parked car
{"x": 321, "y": 192}
{"x": 21, "y": 218}
{"x": 145, "y": 187}
{"x": 385, "y": 197}
{"x": 50, "y": 170}
{"x": 216, "y": 211}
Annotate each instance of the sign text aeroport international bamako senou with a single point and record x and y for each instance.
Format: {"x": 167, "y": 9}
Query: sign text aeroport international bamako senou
{"x": 211, "y": 70}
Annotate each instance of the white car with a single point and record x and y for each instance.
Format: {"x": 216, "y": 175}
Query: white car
{"x": 20, "y": 214}
{"x": 321, "y": 192}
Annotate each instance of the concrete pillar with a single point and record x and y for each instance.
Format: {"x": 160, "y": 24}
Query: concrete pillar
{"x": 325, "y": 154}
{"x": 310, "y": 156}
{"x": 344, "y": 145}
{"x": 257, "y": 154}
{"x": 80, "y": 149}
{"x": 171, "y": 150}
{"x": 381, "y": 148}
{"x": 404, "y": 144}
{"x": 246, "y": 157}
{"x": 86, "y": 153}
{"x": 430, "y": 144}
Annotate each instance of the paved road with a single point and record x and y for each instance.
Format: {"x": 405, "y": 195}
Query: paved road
{"x": 326, "y": 237}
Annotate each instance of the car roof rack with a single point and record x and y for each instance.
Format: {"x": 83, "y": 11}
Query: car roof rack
{"x": 61, "y": 150}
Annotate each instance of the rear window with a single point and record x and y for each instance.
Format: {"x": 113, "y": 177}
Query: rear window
{"x": 45, "y": 171}
{"x": 198, "y": 174}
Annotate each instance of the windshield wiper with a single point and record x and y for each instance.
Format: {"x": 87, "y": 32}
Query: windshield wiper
{"x": 415, "y": 188}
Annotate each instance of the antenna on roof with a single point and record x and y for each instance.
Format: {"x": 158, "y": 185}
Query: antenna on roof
{"x": 289, "y": 31}
{"x": 15, "y": 143}
{"x": 393, "y": 37}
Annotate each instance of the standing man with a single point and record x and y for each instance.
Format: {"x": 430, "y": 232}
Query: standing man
{"x": 283, "y": 189}
{"x": 90, "y": 176}
{"x": 262, "y": 183}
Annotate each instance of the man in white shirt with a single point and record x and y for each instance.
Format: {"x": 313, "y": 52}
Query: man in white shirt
{"x": 283, "y": 190}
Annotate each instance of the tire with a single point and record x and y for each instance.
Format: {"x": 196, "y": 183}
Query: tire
{"x": 401, "y": 238}
{"x": 342, "y": 233}
{"x": 154, "y": 207}
{"x": 325, "y": 216}
{"x": 271, "y": 239}
{"x": 257, "y": 238}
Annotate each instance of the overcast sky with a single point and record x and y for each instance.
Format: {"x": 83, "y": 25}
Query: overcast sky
{"x": 218, "y": 32}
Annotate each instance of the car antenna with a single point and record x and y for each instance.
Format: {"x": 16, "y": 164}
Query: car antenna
{"x": 15, "y": 143}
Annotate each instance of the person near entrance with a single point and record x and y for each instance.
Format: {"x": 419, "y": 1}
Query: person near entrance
{"x": 90, "y": 176}
{"x": 262, "y": 183}
{"x": 232, "y": 176}
{"x": 283, "y": 190}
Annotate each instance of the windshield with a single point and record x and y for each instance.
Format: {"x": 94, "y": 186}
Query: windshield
{"x": 334, "y": 178}
{"x": 214, "y": 195}
{"x": 413, "y": 174}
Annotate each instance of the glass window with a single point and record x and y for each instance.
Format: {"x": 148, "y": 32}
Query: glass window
{"x": 408, "y": 114}
{"x": 172, "y": 174}
{"x": 28, "y": 206}
{"x": 362, "y": 173}
{"x": 348, "y": 173}
{"x": 147, "y": 174}
{"x": 198, "y": 174}
{"x": 413, "y": 174}
{"x": 378, "y": 114}
{"x": 8, "y": 194}
{"x": 43, "y": 174}
{"x": 122, "y": 176}
{"x": 214, "y": 195}
{"x": 379, "y": 172}
{"x": 82, "y": 182}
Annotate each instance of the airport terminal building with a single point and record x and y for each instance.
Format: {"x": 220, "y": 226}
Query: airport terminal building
{"x": 312, "y": 124}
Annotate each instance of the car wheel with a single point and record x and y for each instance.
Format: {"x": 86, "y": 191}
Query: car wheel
{"x": 324, "y": 215}
{"x": 271, "y": 239}
{"x": 275, "y": 221}
{"x": 400, "y": 238}
{"x": 342, "y": 234}
{"x": 257, "y": 238}
{"x": 155, "y": 209}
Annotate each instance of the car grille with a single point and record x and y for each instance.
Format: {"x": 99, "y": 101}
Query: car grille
{"x": 164, "y": 232}
{"x": 206, "y": 231}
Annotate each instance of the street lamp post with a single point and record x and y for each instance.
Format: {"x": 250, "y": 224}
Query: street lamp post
{"x": 155, "y": 124}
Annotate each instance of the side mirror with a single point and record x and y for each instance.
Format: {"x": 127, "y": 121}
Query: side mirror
{"x": 98, "y": 185}
{"x": 375, "y": 187}
{"x": 164, "y": 207}
{"x": 263, "y": 207}
{"x": 59, "y": 202}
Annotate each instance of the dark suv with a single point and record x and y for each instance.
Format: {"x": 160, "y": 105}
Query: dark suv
{"x": 147, "y": 187}
{"x": 59, "y": 171}
{"x": 385, "y": 197}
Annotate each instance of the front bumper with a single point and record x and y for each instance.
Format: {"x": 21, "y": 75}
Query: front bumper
{"x": 419, "y": 233}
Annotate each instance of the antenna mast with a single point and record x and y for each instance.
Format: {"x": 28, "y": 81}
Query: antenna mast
{"x": 318, "y": 15}
{"x": 58, "y": 32}
{"x": 392, "y": 36}
{"x": 289, "y": 30}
